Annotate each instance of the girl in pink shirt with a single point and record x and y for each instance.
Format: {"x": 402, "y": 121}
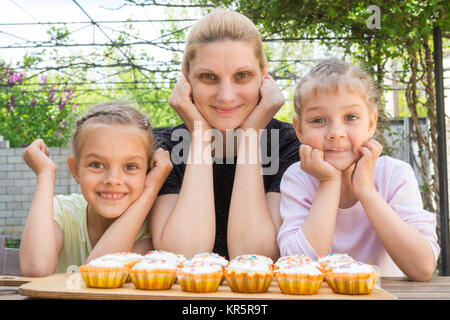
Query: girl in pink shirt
{"x": 343, "y": 197}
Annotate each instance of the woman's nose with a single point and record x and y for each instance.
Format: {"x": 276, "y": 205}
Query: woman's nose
{"x": 226, "y": 92}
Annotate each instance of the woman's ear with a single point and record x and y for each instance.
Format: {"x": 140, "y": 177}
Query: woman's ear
{"x": 73, "y": 168}
{"x": 297, "y": 128}
{"x": 373, "y": 117}
{"x": 264, "y": 72}
{"x": 186, "y": 76}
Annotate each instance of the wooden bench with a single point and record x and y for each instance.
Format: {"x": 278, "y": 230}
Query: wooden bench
{"x": 9, "y": 259}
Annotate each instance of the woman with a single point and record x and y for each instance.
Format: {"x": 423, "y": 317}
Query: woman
{"x": 211, "y": 202}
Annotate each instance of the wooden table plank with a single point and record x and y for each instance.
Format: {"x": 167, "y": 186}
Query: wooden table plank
{"x": 10, "y": 293}
{"x": 436, "y": 288}
{"x": 15, "y": 281}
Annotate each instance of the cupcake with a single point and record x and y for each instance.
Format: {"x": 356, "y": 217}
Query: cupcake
{"x": 249, "y": 274}
{"x": 352, "y": 278}
{"x": 255, "y": 257}
{"x": 299, "y": 278}
{"x": 200, "y": 276}
{"x": 129, "y": 259}
{"x": 292, "y": 259}
{"x": 173, "y": 258}
{"x": 104, "y": 273}
{"x": 208, "y": 257}
{"x": 335, "y": 260}
{"x": 153, "y": 274}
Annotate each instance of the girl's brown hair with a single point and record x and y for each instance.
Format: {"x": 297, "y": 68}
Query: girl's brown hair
{"x": 328, "y": 75}
{"x": 220, "y": 25}
{"x": 113, "y": 113}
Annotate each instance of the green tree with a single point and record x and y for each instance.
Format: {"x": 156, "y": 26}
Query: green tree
{"x": 31, "y": 109}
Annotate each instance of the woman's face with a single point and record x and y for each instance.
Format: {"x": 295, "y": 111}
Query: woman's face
{"x": 225, "y": 77}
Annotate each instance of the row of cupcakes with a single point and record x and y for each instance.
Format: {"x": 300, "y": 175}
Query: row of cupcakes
{"x": 156, "y": 270}
{"x": 296, "y": 274}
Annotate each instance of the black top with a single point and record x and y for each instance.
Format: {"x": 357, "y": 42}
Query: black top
{"x": 223, "y": 169}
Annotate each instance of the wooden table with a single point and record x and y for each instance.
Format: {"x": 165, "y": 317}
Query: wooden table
{"x": 438, "y": 288}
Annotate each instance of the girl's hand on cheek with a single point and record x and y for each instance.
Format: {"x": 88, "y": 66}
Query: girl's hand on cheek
{"x": 270, "y": 102}
{"x": 312, "y": 162}
{"x": 160, "y": 168}
{"x": 362, "y": 177}
{"x": 181, "y": 101}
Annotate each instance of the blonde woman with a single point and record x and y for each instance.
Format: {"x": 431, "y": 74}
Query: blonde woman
{"x": 224, "y": 196}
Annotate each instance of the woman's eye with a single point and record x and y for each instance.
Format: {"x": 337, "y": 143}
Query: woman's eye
{"x": 208, "y": 76}
{"x": 96, "y": 165}
{"x": 242, "y": 75}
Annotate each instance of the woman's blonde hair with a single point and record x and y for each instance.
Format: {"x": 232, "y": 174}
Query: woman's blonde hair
{"x": 113, "y": 113}
{"x": 328, "y": 75}
{"x": 220, "y": 25}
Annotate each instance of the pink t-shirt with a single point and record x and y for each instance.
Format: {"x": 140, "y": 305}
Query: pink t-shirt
{"x": 353, "y": 234}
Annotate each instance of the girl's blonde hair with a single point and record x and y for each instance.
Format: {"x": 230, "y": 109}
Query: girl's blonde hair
{"x": 220, "y": 25}
{"x": 328, "y": 75}
{"x": 113, "y": 113}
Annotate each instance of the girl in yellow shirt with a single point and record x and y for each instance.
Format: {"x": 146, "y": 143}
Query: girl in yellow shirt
{"x": 119, "y": 174}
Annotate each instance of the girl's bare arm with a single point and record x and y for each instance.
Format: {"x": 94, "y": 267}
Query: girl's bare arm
{"x": 42, "y": 237}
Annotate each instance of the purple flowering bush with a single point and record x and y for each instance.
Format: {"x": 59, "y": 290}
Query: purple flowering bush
{"x": 32, "y": 108}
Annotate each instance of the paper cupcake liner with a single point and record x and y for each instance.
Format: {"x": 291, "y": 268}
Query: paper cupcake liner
{"x": 200, "y": 283}
{"x": 299, "y": 283}
{"x": 99, "y": 277}
{"x": 250, "y": 282}
{"x": 358, "y": 283}
{"x": 153, "y": 279}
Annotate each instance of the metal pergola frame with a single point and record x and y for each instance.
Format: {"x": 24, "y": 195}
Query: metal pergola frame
{"x": 442, "y": 150}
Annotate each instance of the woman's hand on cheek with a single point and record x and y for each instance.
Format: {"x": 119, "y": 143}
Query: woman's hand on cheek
{"x": 271, "y": 100}
{"x": 160, "y": 168}
{"x": 362, "y": 177}
{"x": 312, "y": 162}
{"x": 181, "y": 101}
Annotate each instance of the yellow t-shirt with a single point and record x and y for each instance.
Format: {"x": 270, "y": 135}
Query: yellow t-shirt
{"x": 70, "y": 214}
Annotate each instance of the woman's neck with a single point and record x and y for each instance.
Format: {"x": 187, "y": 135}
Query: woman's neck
{"x": 226, "y": 147}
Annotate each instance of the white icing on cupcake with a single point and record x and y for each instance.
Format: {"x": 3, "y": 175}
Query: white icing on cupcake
{"x": 356, "y": 267}
{"x": 207, "y": 257}
{"x": 242, "y": 265}
{"x": 107, "y": 263}
{"x": 154, "y": 264}
{"x": 200, "y": 267}
{"x": 308, "y": 268}
{"x": 162, "y": 255}
{"x": 255, "y": 257}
